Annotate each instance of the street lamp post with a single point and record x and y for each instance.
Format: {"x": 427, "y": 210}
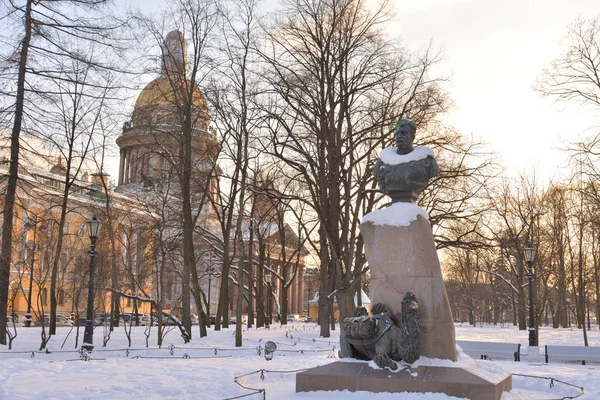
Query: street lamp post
{"x": 268, "y": 280}
{"x": 529, "y": 254}
{"x": 88, "y": 337}
{"x": 210, "y": 271}
{"x": 28, "y": 313}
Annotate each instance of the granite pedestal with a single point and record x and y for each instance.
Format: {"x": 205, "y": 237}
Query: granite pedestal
{"x": 359, "y": 376}
{"x": 404, "y": 259}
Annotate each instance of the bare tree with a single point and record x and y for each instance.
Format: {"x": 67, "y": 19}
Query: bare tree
{"x": 9, "y": 202}
{"x": 465, "y": 266}
{"x": 575, "y": 75}
{"x": 72, "y": 118}
{"x": 338, "y": 85}
{"x": 175, "y": 120}
{"x": 47, "y": 27}
{"x": 518, "y": 208}
{"x": 233, "y": 97}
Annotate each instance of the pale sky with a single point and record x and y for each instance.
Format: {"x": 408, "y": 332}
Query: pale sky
{"x": 495, "y": 50}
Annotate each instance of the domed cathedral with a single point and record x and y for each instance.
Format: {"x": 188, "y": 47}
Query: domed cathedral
{"x": 151, "y": 145}
{"x": 152, "y": 148}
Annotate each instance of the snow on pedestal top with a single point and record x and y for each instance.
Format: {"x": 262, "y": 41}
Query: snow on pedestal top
{"x": 398, "y": 214}
{"x": 389, "y": 155}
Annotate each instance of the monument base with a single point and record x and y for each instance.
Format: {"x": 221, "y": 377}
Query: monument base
{"x": 359, "y": 376}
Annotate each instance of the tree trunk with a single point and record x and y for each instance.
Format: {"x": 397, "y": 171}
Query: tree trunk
{"x": 189, "y": 259}
{"x": 260, "y": 286}
{"x": 222, "y": 316}
{"x": 332, "y": 313}
{"x": 202, "y": 317}
{"x": 522, "y": 308}
{"x": 240, "y": 303}
{"x": 58, "y": 247}
{"x": 11, "y": 184}
{"x": 345, "y": 299}
{"x": 325, "y": 286}
{"x": 514, "y": 309}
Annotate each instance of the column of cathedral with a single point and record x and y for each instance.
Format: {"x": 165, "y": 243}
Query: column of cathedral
{"x": 127, "y": 166}
{"x": 121, "y": 166}
{"x": 300, "y": 291}
{"x": 293, "y": 302}
{"x": 136, "y": 163}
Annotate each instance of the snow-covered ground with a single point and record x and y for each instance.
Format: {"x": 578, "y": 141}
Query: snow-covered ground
{"x": 206, "y": 368}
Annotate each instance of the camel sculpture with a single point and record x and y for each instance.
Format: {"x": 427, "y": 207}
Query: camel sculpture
{"x": 377, "y": 338}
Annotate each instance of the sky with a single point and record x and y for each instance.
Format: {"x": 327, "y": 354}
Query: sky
{"x": 495, "y": 51}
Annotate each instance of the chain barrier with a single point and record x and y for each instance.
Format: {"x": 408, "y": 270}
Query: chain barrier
{"x": 552, "y": 383}
{"x": 185, "y": 357}
{"x": 86, "y": 356}
{"x": 314, "y": 340}
{"x": 171, "y": 349}
{"x": 262, "y": 378}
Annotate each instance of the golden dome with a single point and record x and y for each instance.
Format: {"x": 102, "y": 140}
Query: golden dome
{"x": 161, "y": 90}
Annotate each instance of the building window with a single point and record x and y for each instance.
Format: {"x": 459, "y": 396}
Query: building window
{"x": 61, "y": 297}
{"x": 44, "y": 296}
{"x": 169, "y": 288}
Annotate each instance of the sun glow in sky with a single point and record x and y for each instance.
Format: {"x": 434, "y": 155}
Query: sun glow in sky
{"x": 495, "y": 51}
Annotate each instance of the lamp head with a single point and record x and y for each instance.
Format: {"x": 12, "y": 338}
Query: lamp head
{"x": 270, "y": 348}
{"x": 94, "y": 226}
{"x": 529, "y": 253}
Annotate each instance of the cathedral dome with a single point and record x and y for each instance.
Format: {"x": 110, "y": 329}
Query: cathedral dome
{"x": 163, "y": 91}
{"x": 161, "y": 100}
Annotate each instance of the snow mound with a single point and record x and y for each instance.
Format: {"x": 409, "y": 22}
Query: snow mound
{"x": 492, "y": 372}
{"x": 389, "y": 155}
{"x": 398, "y": 214}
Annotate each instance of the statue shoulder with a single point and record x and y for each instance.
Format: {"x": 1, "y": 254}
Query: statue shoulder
{"x": 434, "y": 169}
{"x": 377, "y": 168}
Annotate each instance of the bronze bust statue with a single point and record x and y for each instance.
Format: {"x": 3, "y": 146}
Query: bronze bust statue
{"x": 402, "y": 172}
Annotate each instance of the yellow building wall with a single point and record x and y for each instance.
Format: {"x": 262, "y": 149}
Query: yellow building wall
{"x": 313, "y": 311}
{"x": 77, "y": 241}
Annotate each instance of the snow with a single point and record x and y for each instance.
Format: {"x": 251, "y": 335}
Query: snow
{"x": 398, "y": 214}
{"x": 196, "y": 370}
{"x": 363, "y": 298}
{"x": 389, "y": 155}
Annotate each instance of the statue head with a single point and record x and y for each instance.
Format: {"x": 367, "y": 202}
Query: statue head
{"x": 379, "y": 308}
{"x": 409, "y": 303}
{"x": 359, "y": 312}
{"x": 405, "y": 135}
